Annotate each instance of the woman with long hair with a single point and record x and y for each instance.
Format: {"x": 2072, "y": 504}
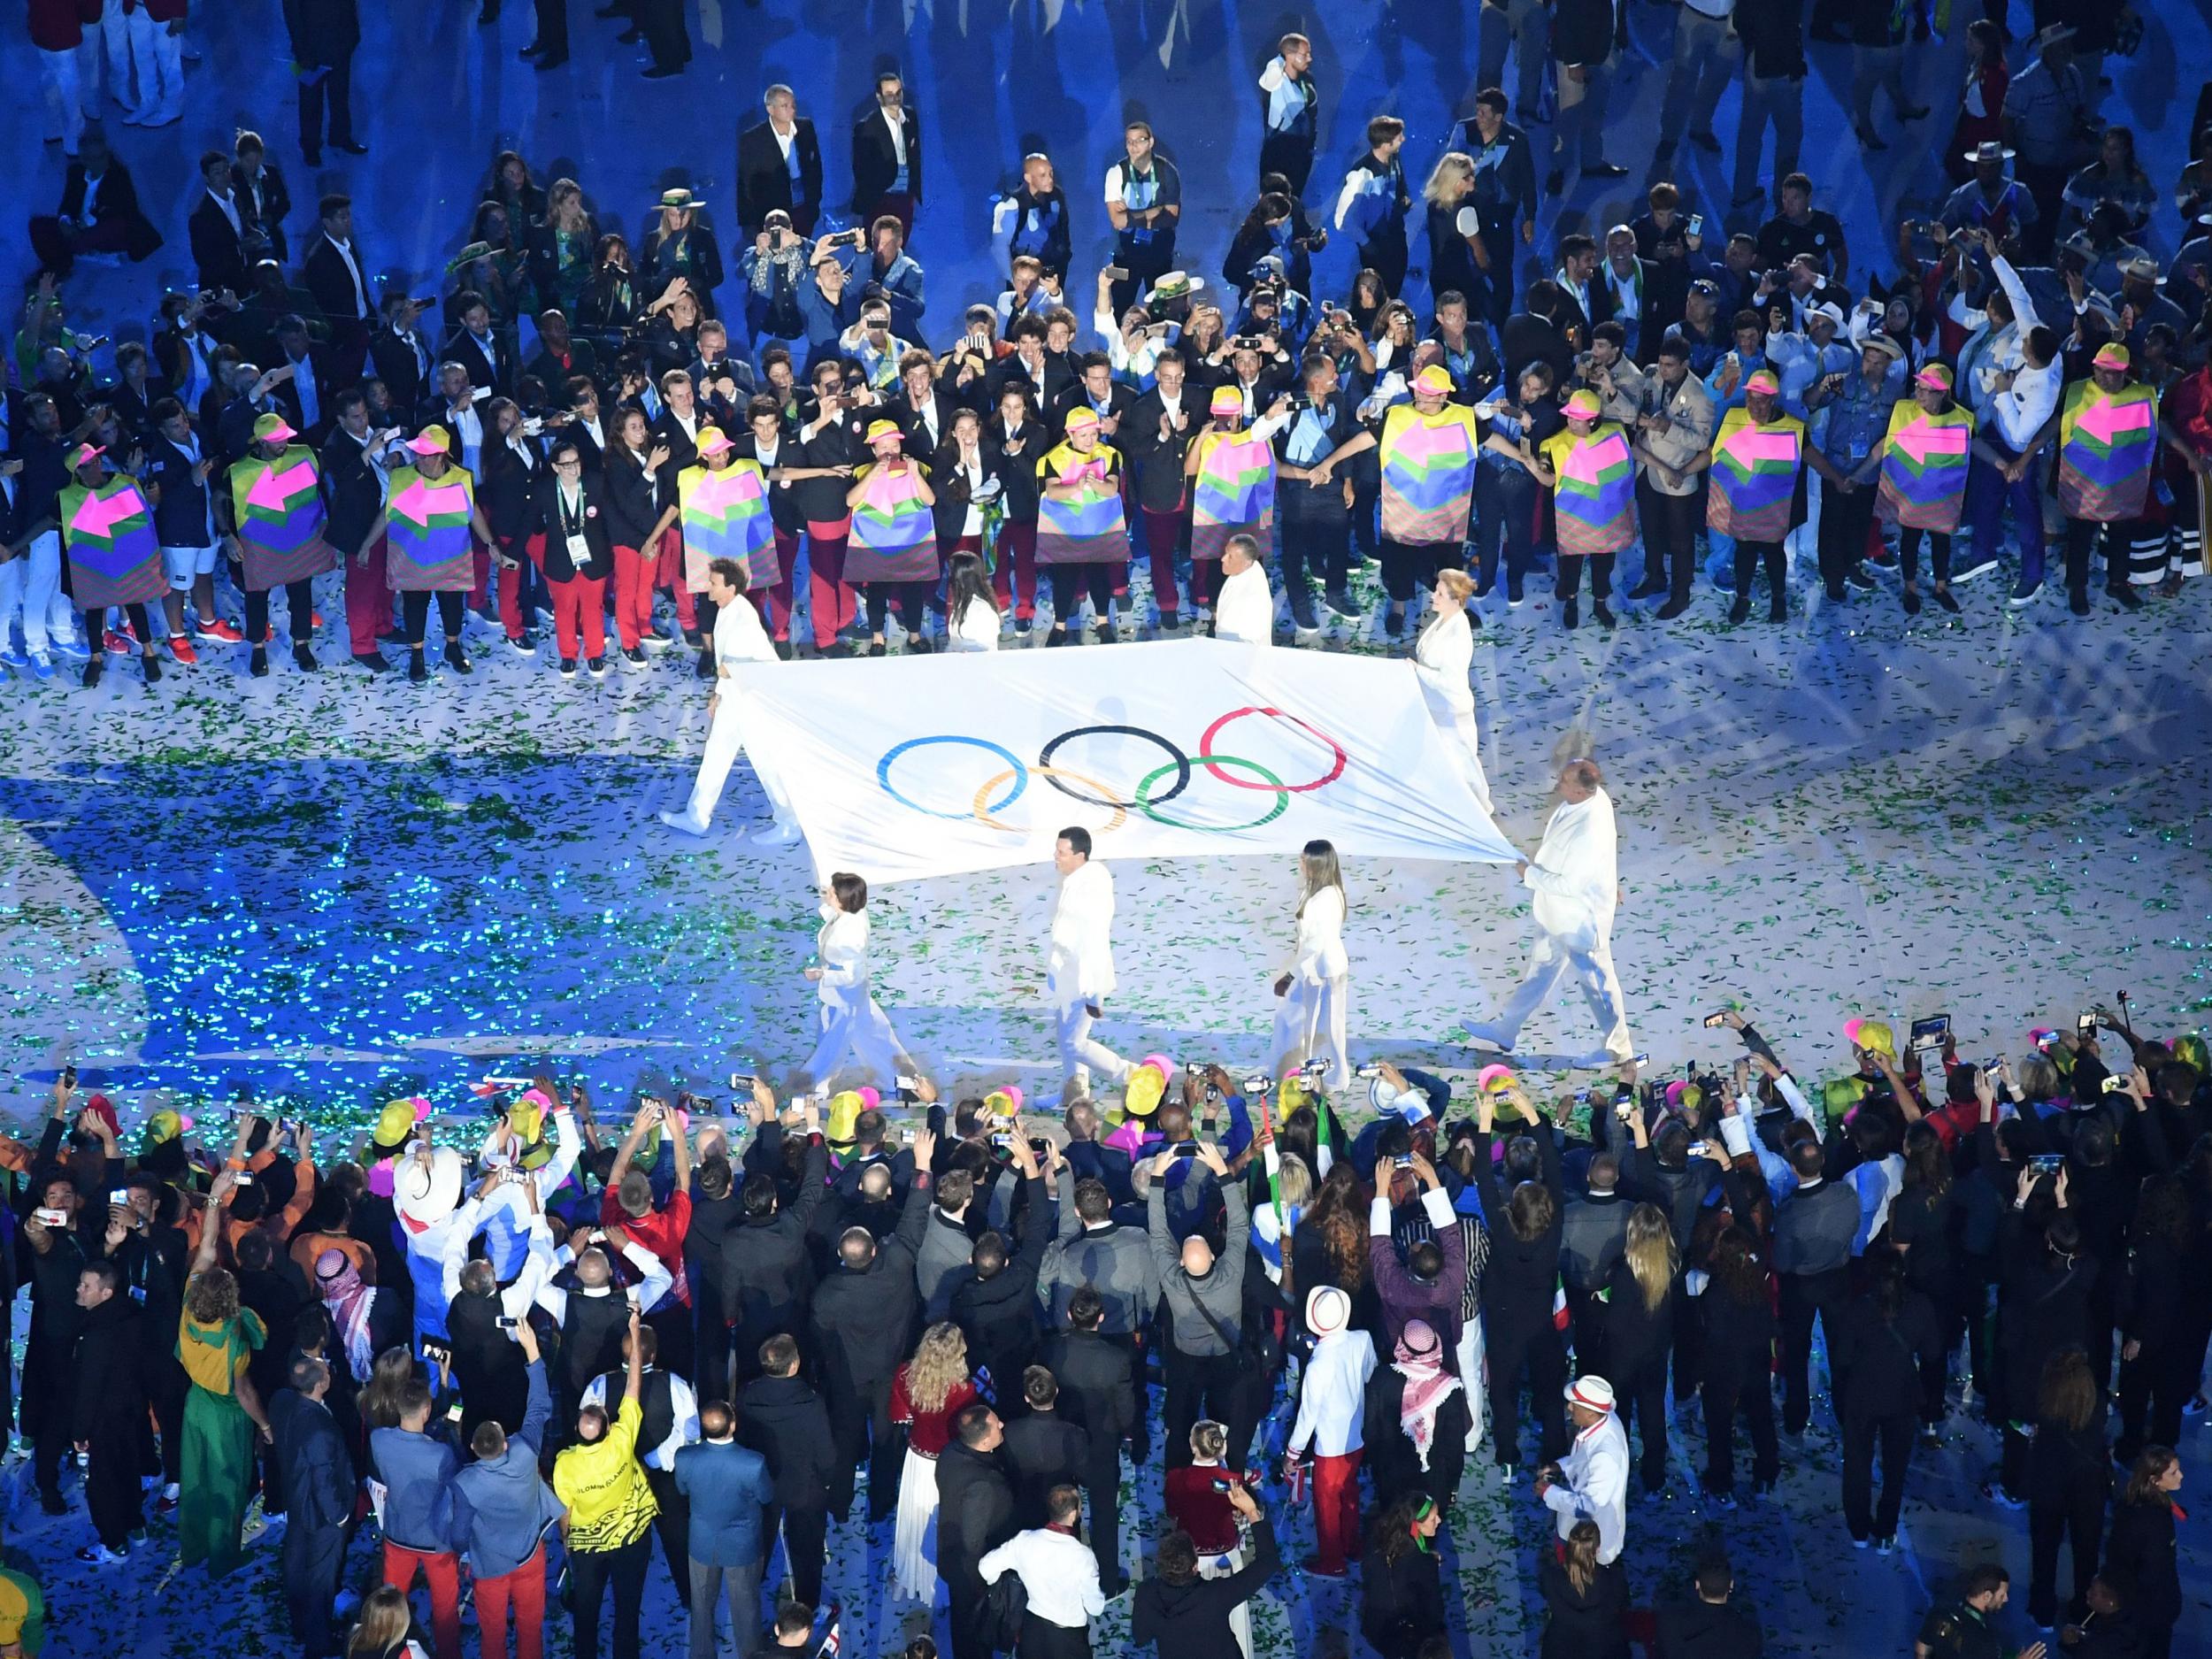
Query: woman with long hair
{"x": 1454, "y": 261}
{"x": 609, "y": 302}
{"x": 971, "y": 617}
{"x": 1586, "y": 1600}
{"x": 1401, "y": 1592}
{"x": 379, "y": 1402}
{"x": 222, "y": 1411}
{"x": 1443, "y": 658}
{"x": 2140, "y": 1555}
{"x": 560, "y": 250}
{"x": 640, "y": 505}
{"x": 1313, "y": 998}
{"x": 511, "y": 185}
{"x": 1887, "y": 1332}
{"x": 2069, "y": 1480}
{"x": 1920, "y": 1226}
{"x": 852, "y": 1025}
{"x": 1736, "y": 1309}
{"x": 926, "y": 1393}
{"x": 386, "y": 1628}
{"x": 1639, "y": 1332}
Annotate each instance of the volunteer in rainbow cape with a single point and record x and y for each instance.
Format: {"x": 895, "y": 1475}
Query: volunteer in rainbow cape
{"x": 1082, "y": 531}
{"x": 430, "y": 525}
{"x": 1591, "y": 471}
{"x": 114, "y": 558}
{"x": 1080, "y": 962}
{"x": 1313, "y": 998}
{"x": 1922, "y": 485}
{"x": 722, "y": 508}
{"x": 1443, "y": 657}
{"x": 276, "y": 515}
{"x": 2106, "y": 432}
{"x": 765, "y": 443}
{"x": 1574, "y": 880}
{"x": 1428, "y": 449}
{"x": 1758, "y": 495}
{"x": 852, "y": 1023}
{"x": 891, "y": 551}
{"x": 738, "y": 639}
{"x": 1230, "y": 474}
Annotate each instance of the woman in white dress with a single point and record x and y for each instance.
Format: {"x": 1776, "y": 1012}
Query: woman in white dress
{"x": 851, "y": 1022}
{"x": 971, "y": 620}
{"x": 1313, "y": 998}
{"x": 926, "y": 1393}
{"x": 1442, "y": 656}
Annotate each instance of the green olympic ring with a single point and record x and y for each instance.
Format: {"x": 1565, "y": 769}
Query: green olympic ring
{"x": 1143, "y": 801}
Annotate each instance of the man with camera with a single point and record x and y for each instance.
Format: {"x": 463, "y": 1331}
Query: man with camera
{"x": 1144, "y": 199}
{"x": 1204, "y": 1293}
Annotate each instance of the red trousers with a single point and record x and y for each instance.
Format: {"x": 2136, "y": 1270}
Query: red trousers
{"x": 580, "y": 604}
{"x": 479, "y": 595}
{"x": 529, "y": 547}
{"x": 670, "y": 574}
{"x": 1335, "y": 1509}
{"x": 829, "y": 597}
{"x": 776, "y": 599}
{"x": 443, "y": 1570}
{"x": 1162, "y": 532}
{"x": 633, "y": 596}
{"x": 1015, "y": 580}
{"x": 523, "y": 1590}
{"x": 368, "y": 601}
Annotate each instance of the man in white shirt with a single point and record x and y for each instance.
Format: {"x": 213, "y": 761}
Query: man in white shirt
{"x": 1575, "y": 881}
{"x": 1591, "y": 1483}
{"x": 1244, "y": 608}
{"x": 2016, "y": 403}
{"x": 1331, "y": 1403}
{"x": 458, "y": 417}
{"x": 738, "y": 638}
{"x": 1080, "y": 962}
{"x": 1060, "y": 1574}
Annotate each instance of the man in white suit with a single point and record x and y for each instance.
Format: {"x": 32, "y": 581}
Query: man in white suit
{"x": 1080, "y": 962}
{"x": 1575, "y": 877}
{"x": 738, "y": 639}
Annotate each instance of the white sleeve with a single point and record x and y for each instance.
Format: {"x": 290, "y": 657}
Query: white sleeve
{"x": 2024, "y": 310}
{"x": 1267, "y": 426}
{"x": 564, "y": 1154}
{"x": 1378, "y": 1216}
{"x": 1271, "y": 77}
{"x": 658, "y": 1282}
{"x": 1355, "y": 182}
{"x": 1793, "y": 1097}
{"x": 1735, "y": 1135}
{"x": 1113, "y": 184}
{"x": 465, "y": 1222}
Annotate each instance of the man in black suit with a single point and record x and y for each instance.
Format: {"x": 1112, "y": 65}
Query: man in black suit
{"x": 308, "y": 396}
{"x": 336, "y": 273}
{"x": 1046, "y": 376}
{"x": 217, "y": 231}
{"x": 1095, "y": 1391}
{"x": 476, "y": 349}
{"x": 324, "y": 34}
{"x": 887, "y": 157}
{"x": 779, "y": 166}
{"x": 99, "y": 213}
{"x": 975, "y": 1515}
{"x": 317, "y": 1476}
{"x": 401, "y": 355}
{"x": 353, "y": 474}
{"x": 1096, "y": 387}
{"x": 264, "y": 202}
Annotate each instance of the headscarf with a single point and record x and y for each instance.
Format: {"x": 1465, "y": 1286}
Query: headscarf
{"x": 348, "y": 1300}
{"x": 1419, "y": 1359}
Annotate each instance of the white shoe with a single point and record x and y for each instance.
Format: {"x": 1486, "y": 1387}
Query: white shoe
{"x": 684, "y": 822}
{"x": 1490, "y": 1037}
{"x": 776, "y": 835}
{"x": 1598, "y": 1060}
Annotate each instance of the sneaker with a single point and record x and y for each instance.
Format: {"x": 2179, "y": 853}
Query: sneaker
{"x": 693, "y": 638}
{"x": 2022, "y": 594}
{"x": 1304, "y": 618}
{"x": 1021, "y": 624}
{"x": 1342, "y": 603}
{"x": 634, "y": 655}
{"x": 596, "y": 667}
{"x": 1171, "y": 621}
{"x": 41, "y": 668}
{"x": 684, "y": 822}
{"x": 1859, "y": 576}
{"x": 522, "y": 645}
{"x": 656, "y": 642}
{"x": 180, "y": 651}
{"x": 1513, "y": 601}
{"x": 75, "y": 650}
{"x": 568, "y": 668}
{"x": 138, "y": 1538}
{"x": 1976, "y": 565}
{"x": 2195, "y": 1406}
{"x": 118, "y": 643}
{"x": 1887, "y": 1544}
{"x": 1861, "y": 1542}
{"x": 101, "y": 1555}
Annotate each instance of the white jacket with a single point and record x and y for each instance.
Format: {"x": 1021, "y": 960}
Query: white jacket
{"x": 1245, "y": 609}
{"x": 974, "y": 629}
{"x": 1333, "y": 1394}
{"x": 842, "y": 949}
{"x": 739, "y": 637}
{"x": 1079, "y": 960}
{"x": 1575, "y": 874}
{"x": 1594, "y": 1486}
{"x": 1321, "y": 938}
{"x": 1443, "y": 657}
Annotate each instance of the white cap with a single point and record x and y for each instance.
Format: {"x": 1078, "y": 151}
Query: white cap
{"x": 1592, "y": 1393}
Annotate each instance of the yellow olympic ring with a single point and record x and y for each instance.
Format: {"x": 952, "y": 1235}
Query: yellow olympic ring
{"x": 984, "y": 816}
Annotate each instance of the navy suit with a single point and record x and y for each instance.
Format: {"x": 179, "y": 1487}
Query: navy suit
{"x": 317, "y": 1476}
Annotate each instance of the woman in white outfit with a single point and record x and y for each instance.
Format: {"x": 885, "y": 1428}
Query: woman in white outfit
{"x": 1442, "y": 656}
{"x": 851, "y": 1022}
{"x": 971, "y": 621}
{"x": 1314, "y": 997}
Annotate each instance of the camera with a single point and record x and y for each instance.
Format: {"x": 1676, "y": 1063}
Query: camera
{"x": 1372, "y": 1069}
{"x": 1316, "y": 1068}
{"x": 1040, "y": 1145}
{"x": 1258, "y": 1083}
{"x": 906, "y": 1087}
{"x": 2085, "y": 1024}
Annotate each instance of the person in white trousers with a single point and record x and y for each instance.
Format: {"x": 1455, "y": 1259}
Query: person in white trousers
{"x": 115, "y": 36}
{"x": 738, "y": 639}
{"x": 1313, "y": 998}
{"x": 158, "y": 50}
{"x": 1443, "y": 657}
{"x": 1244, "y": 608}
{"x": 850, "y": 1020}
{"x": 1575, "y": 879}
{"x": 1079, "y": 962}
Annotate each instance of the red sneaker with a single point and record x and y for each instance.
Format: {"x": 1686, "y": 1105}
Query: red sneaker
{"x": 181, "y": 650}
{"x": 221, "y": 630}
{"x": 315, "y": 617}
{"x": 120, "y": 644}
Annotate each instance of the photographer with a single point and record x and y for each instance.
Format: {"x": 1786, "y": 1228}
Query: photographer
{"x": 1144, "y": 199}
{"x": 775, "y": 269}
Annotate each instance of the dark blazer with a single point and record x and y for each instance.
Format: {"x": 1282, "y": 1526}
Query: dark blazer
{"x": 322, "y": 31}
{"x": 356, "y": 497}
{"x": 633, "y": 509}
{"x": 786, "y": 1421}
{"x": 913, "y": 425}
{"x": 180, "y": 516}
{"x": 876, "y": 163}
{"x": 216, "y": 250}
{"x": 728, "y": 1487}
{"x": 106, "y": 1383}
{"x": 764, "y": 182}
{"x": 486, "y": 364}
{"x": 324, "y": 274}
{"x": 1159, "y": 462}
{"x": 975, "y": 1511}
{"x": 509, "y": 487}
{"x": 266, "y": 210}
{"x": 311, "y": 1454}
{"x": 1704, "y": 1629}
{"x": 117, "y": 204}
{"x": 395, "y": 367}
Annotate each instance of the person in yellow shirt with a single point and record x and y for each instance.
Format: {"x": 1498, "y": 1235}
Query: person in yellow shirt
{"x": 609, "y": 1525}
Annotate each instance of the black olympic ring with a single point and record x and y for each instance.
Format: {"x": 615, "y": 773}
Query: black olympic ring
{"x": 1180, "y": 762}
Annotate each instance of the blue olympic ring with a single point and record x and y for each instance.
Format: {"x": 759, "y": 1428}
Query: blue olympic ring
{"x": 1020, "y": 771}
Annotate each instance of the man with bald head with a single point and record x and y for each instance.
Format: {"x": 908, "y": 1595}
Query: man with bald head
{"x": 1204, "y": 1292}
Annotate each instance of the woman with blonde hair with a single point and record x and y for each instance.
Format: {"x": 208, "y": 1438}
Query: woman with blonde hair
{"x": 1455, "y": 249}
{"x": 1586, "y": 1600}
{"x": 1313, "y": 998}
{"x": 387, "y": 1627}
{"x": 1640, "y": 1331}
{"x": 927, "y": 1393}
{"x": 1443, "y": 658}
{"x": 222, "y": 1412}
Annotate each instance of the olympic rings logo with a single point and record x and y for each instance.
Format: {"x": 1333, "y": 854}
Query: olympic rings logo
{"x": 1151, "y": 792}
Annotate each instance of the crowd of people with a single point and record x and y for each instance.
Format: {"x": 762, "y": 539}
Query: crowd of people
{"x": 699, "y": 1338}
{"x": 569, "y": 433}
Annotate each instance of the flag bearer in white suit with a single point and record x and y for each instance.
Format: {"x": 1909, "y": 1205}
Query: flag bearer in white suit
{"x": 1575, "y": 877}
{"x": 1080, "y": 962}
{"x": 1244, "y": 608}
{"x": 1443, "y": 657}
{"x": 738, "y": 638}
{"x": 1591, "y": 1482}
{"x": 1315, "y": 996}
{"x": 852, "y": 1023}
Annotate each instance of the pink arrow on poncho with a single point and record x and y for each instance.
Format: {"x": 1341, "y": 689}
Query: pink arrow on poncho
{"x": 98, "y": 515}
{"x": 275, "y": 490}
{"x": 2107, "y": 418}
{"x": 1925, "y": 438}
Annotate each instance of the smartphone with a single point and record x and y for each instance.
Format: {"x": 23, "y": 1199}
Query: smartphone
{"x": 1114, "y": 272}
{"x": 69, "y": 1077}
{"x": 1221, "y": 1486}
{"x": 51, "y": 1217}
{"x": 905, "y": 1085}
{"x": 1403, "y": 1160}
{"x": 1317, "y": 1067}
{"x": 1932, "y": 1033}
{"x": 1713, "y": 1022}
{"x": 1040, "y": 1146}
{"x": 1697, "y": 223}
{"x": 242, "y": 1178}
{"x": 743, "y": 1080}
{"x": 1258, "y": 1083}
{"x": 1184, "y": 1149}
{"x": 436, "y": 1352}
{"x": 2114, "y": 1083}
{"x": 2086, "y": 1025}
{"x": 2047, "y": 1162}
{"x": 1372, "y": 1069}
{"x": 453, "y": 1412}
{"x": 508, "y": 1323}
{"x": 119, "y": 1195}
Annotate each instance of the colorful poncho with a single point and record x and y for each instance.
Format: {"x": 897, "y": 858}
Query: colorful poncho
{"x": 724, "y": 516}
{"x": 1234, "y": 492}
{"x": 1756, "y": 477}
{"x": 1093, "y": 530}
{"x": 1594, "y": 499}
{"x": 278, "y": 508}
{"x": 894, "y": 536}
{"x": 114, "y": 556}
{"x": 1924, "y": 467}
{"x": 2106, "y": 444}
{"x": 1428, "y": 473}
{"x": 430, "y": 546}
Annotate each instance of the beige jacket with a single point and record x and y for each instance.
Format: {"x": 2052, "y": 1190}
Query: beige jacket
{"x": 1688, "y": 433}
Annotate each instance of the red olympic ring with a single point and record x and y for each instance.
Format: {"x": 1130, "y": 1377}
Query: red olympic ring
{"x": 1206, "y": 747}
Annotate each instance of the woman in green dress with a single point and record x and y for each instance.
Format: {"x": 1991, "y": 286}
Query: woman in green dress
{"x": 222, "y": 1413}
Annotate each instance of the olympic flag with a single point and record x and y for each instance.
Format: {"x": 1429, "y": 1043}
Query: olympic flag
{"x": 913, "y": 766}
